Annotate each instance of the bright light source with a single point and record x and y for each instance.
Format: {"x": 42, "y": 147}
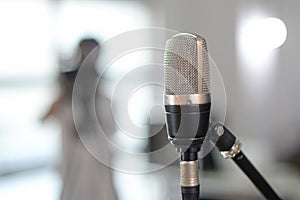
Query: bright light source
{"x": 264, "y": 34}
{"x": 273, "y": 32}
{"x": 26, "y": 40}
{"x": 258, "y": 37}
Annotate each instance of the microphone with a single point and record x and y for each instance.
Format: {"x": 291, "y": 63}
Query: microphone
{"x": 187, "y": 103}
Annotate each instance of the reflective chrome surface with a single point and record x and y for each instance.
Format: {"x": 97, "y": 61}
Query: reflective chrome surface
{"x": 189, "y": 173}
{"x": 186, "y": 99}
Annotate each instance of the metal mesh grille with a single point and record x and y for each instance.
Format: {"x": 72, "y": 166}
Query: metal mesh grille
{"x": 181, "y": 67}
{"x": 205, "y": 70}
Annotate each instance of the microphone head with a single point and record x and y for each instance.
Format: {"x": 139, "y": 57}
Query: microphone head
{"x": 186, "y": 69}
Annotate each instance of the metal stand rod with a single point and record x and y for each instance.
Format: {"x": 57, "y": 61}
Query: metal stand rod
{"x": 230, "y": 147}
{"x": 261, "y": 184}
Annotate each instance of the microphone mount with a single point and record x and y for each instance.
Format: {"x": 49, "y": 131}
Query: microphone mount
{"x": 230, "y": 147}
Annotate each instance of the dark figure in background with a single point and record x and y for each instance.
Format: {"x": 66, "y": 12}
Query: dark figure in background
{"x": 84, "y": 177}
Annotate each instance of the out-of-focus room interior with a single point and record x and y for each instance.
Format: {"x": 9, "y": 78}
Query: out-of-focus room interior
{"x": 253, "y": 45}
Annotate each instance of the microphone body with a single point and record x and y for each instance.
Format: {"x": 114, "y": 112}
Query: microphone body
{"x": 187, "y": 125}
{"x": 187, "y": 104}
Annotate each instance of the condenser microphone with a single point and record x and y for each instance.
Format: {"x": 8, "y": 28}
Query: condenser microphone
{"x": 187, "y": 103}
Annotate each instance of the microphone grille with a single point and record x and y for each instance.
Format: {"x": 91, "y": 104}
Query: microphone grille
{"x": 186, "y": 65}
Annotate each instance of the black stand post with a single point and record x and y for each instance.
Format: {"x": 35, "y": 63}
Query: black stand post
{"x": 230, "y": 147}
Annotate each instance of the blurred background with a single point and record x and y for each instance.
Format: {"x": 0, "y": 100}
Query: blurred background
{"x": 253, "y": 43}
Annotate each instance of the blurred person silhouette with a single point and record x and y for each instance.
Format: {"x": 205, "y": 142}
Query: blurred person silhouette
{"x": 84, "y": 177}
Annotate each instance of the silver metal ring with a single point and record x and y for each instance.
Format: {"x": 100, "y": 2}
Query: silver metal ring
{"x": 189, "y": 173}
{"x": 187, "y": 99}
{"x": 235, "y": 149}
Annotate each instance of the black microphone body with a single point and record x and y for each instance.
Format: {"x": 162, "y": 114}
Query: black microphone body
{"x": 187, "y": 125}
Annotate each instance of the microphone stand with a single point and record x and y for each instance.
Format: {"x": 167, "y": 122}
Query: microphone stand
{"x": 230, "y": 147}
